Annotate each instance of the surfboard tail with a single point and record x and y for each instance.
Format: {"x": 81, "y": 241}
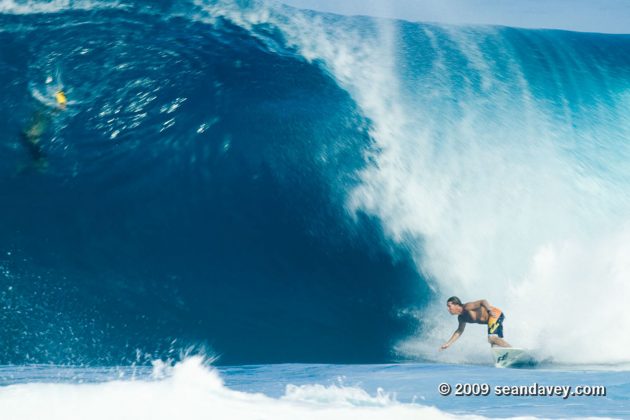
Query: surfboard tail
{"x": 511, "y": 357}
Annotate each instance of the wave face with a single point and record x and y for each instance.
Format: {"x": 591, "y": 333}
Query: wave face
{"x": 292, "y": 186}
{"x": 499, "y": 163}
{"x": 193, "y": 191}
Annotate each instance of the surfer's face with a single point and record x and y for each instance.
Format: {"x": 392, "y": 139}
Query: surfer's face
{"x": 453, "y": 309}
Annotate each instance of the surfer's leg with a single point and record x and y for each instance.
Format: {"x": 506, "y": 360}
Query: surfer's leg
{"x": 495, "y": 341}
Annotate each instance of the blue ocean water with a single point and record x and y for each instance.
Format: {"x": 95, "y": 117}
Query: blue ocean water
{"x": 267, "y": 185}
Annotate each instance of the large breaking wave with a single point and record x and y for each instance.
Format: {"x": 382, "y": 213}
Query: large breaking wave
{"x": 288, "y": 185}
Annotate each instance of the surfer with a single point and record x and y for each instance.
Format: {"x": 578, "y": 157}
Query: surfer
{"x": 477, "y": 312}
{"x": 31, "y": 136}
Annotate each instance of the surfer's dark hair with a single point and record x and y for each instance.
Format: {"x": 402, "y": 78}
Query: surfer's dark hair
{"x": 455, "y": 300}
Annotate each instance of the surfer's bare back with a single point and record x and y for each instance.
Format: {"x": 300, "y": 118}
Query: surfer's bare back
{"x": 477, "y": 312}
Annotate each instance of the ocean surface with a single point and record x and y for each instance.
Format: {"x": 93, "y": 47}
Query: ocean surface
{"x": 253, "y": 210}
{"x": 194, "y": 390}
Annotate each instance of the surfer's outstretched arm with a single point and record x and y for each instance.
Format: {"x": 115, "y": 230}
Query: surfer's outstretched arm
{"x": 458, "y": 332}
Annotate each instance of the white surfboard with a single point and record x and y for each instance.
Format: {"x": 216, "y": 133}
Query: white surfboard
{"x": 512, "y": 357}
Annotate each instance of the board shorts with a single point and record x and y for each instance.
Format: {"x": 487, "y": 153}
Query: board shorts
{"x": 495, "y": 325}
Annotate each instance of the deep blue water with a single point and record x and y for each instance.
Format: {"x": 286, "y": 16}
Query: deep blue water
{"x": 230, "y": 234}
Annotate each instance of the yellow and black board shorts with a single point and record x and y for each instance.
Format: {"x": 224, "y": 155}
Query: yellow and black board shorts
{"x": 495, "y": 325}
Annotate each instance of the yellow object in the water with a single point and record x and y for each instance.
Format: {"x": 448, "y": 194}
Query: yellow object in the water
{"x": 61, "y": 98}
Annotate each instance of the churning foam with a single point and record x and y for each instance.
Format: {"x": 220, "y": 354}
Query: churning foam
{"x": 502, "y": 186}
{"x": 192, "y": 391}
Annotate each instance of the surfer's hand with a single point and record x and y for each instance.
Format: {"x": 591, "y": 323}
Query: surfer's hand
{"x": 444, "y": 346}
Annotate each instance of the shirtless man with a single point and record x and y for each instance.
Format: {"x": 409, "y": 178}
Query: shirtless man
{"x": 478, "y": 312}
